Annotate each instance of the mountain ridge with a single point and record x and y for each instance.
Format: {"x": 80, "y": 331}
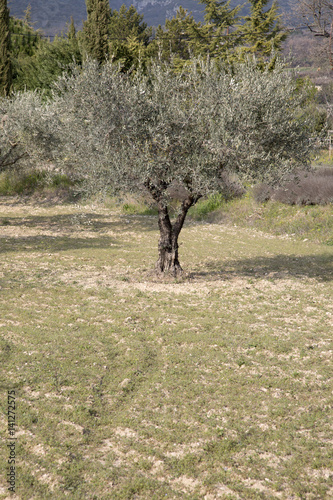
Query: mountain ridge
{"x": 51, "y": 16}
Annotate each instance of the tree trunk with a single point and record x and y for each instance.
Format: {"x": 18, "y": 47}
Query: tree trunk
{"x": 167, "y": 246}
{"x": 5, "y": 58}
{"x": 168, "y": 261}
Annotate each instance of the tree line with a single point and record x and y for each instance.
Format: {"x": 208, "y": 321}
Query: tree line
{"x": 28, "y": 60}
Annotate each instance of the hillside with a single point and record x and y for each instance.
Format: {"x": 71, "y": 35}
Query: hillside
{"x": 51, "y": 16}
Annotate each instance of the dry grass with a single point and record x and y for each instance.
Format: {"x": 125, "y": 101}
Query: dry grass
{"x": 216, "y": 385}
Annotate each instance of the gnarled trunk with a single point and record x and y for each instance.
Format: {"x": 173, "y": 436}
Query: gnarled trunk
{"x": 168, "y": 261}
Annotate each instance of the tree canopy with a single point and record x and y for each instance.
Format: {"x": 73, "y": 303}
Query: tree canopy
{"x": 122, "y": 35}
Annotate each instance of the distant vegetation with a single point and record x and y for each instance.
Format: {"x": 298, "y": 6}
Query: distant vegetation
{"x": 52, "y": 15}
{"x": 302, "y": 188}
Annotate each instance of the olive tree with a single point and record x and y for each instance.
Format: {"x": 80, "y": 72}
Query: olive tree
{"x": 158, "y": 131}
{"x": 28, "y": 131}
{"x": 12, "y": 152}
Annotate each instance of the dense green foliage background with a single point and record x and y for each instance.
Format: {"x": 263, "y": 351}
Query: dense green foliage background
{"x": 122, "y": 35}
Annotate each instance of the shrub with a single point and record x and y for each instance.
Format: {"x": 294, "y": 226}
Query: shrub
{"x": 304, "y": 188}
{"x": 207, "y": 205}
{"x": 262, "y": 192}
{"x": 15, "y": 182}
{"x": 60, "y": 181}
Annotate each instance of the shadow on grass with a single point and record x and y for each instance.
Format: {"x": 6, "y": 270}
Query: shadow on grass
{"x": 319, "y": 267}
{"x": 54, "y": 244}
{"x": 82, "y": 221}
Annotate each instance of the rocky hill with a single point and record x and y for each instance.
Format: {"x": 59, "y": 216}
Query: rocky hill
{"x": 51, "y": 16}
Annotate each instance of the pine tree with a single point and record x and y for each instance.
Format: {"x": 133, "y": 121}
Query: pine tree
{"x": 47, "y": 63}
{"x": 129, "y": 39}
{"x": 96, "y": 29}
{"x": 221, "y": 28}
{"x": 5, "y": 59}
{"x": 27, "y": 17}
{"x": 128, "y": 23}
{"x": 216, "y": 37}
{"x": 263, "y": 34}
{"x": 24, "y": 38}
{"x": 179, "y": 38}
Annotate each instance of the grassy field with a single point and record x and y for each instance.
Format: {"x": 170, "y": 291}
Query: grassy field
{"x": 216, "y": 385}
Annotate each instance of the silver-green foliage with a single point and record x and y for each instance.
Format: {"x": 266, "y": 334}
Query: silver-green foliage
{"x": 32, "y": 126}
{"x": 13, "y": 153}
{"x": 122, "y": 133}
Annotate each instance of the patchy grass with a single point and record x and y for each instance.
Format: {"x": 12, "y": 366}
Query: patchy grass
{"x": 138, "y": 209}
{"x": 216, "y": 385}
{"x": 313, "y": 223}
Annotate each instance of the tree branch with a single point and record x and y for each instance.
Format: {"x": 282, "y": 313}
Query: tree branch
{"x": 185, "y": 206}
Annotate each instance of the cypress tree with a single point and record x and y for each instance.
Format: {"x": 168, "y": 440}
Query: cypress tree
{"x": 96, "y": 29}
{"x": 190, "y": 38}
{"x": 71, "y": 33}
{"x": 221, "y": 28}
{"x": 263, "y": 34}
{"x": 5, "y": 59}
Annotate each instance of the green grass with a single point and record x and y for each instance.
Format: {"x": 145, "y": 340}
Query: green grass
{"x": 138, "y": 209}
{"x": 13, "y": 182}
{"x": 215, "y": 385}
{"x": 324, "y": 159}
{"x": 206, "y": 206}
{"x": 313, "y": 223}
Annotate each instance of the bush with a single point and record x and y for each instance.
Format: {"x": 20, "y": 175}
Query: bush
{"x": 60, "y": 181}
{"x": 14, "y": 182}
{"x": 304, "y": 188}
{"x": 206, "y": 206}
{"x": 262, "y": 192}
